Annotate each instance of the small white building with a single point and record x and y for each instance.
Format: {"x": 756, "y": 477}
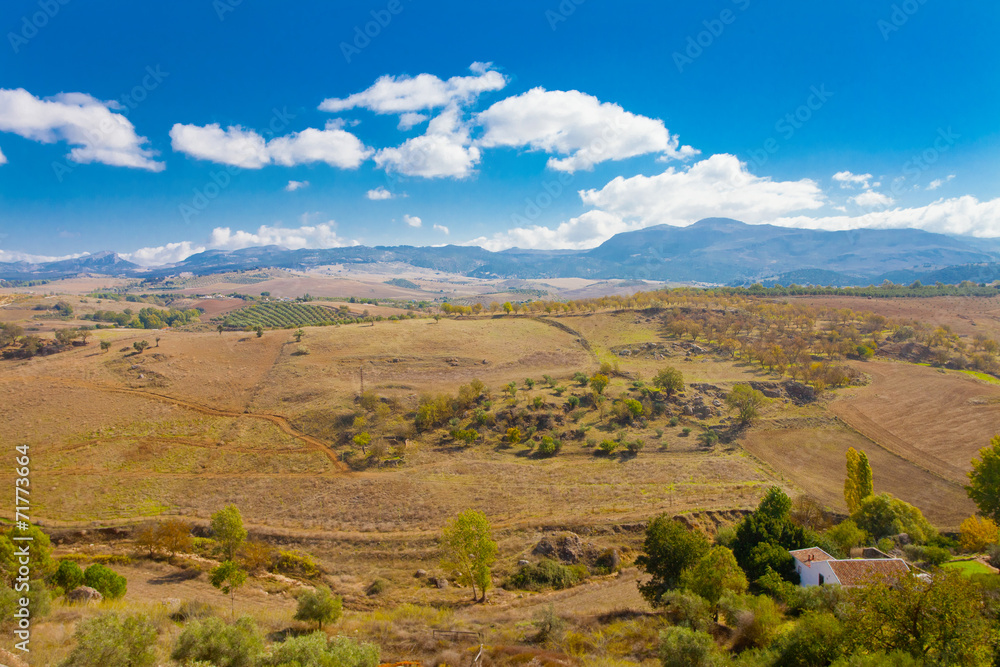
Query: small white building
{"x": 818, "y": 568}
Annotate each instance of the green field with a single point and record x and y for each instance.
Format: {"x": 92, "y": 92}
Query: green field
{"x": 280, "y": 316}
{"x": 968, "y": 567}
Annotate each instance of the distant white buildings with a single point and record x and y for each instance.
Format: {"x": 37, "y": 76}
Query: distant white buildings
{"x": 818, "y": 568}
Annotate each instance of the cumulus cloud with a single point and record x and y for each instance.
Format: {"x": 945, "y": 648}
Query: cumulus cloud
{"x": 406, "y": 94}
{"x": 965, "y": 215}
{"x": 934, "y": 185}
{"x": 18, "y": 256}
{"x": 578, "y": 126}
{"x": 717, "y": 186}
{"x": 412, "y": 220}
{"x": 379, "y": 194}
{"x": 96, "y": 133}
{"x": 872, "y": 199}
{"x": 442, "y": 229}
{"x": 323, "y": 235}
{"x": 247, "y": 149}
{"x": 445, "y": 150}
{"x": 848, "y": 180}
{"x": 409, "y": 119}
{"x": 233, "y": 146}
{"x": 164, "y": 254}
{"x": 296, "y": 185}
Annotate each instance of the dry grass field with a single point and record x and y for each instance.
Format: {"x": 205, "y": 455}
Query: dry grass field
{"x": 965, "y": 315}
{"x": 205, "y": 419}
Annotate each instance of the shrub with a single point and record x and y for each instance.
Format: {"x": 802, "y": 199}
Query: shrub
{"x": 634, "y": 446}
{"x": 219, "y": 643}
{"x": 608, "y": 447}
{"x": 105, "y": 581}
{"x": 686, "y": 609}
{"x": 317, "y": 650}
{"x": 846, "y": 535}
{"x": 513, "y": 435}
{"x": 817, "y": 639}
{"x": 681, "y": 647}
{"x": 573, "y": 402}
{"x": 547, "y": 573}
{"x": 674, "y": 421}
{"x": 994, "y": 555}
{"x": 885, "y": 515}
{"x": 296, "y": 563}
{"x": 549, "y": 446}
{"x": 756, "y": 619}
{"x": 109, "y": 640}
{"x": 377, "y": 587}
{"x": 318, "y": 605}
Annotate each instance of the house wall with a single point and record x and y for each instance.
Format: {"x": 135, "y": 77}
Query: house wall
{"x": 809, "y": 574}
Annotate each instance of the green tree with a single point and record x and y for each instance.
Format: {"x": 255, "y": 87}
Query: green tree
{"x": 68, "y": 576}
{"x": 670, "y": 380}
{"x": 846, "y": 535}
{"x": 507, "y": 307}
{"x": 105, "y": 345}
{"x": 858, "y": 482}
{"x": 764, "y": 537}
{"x": 816, "y": 639}
{"x": 260, "y": 331}
{"x": 105, "y": 581}
{"x": 885, "y": 515}
{"x": 220, "y": 329}
{"x": 669, "y": 548}
{"x": 714, "y": 575}
{"x": 299, "y": 333}
{"x": 470, "y": 550}
{"x": 599, "y": 383}
{"x": 228, "y": 577}
{"x": 110, "y": 640}
{"x": 318, "y": 605}
{"x": 747, "y": 402}
{"x": 215, "y": 642}
{"x": 140, "y": 346}
{"x": 984, "y": 480}
{"x": 940, "y": 620}
{"x": 227, "y": 527}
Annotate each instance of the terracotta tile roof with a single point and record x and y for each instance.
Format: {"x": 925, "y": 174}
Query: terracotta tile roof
{"x": 803, "y": 555}
{"x": 860, "y": 572}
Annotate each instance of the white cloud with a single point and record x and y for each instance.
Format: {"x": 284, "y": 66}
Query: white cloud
{"x": 849, "y": 180}
{"x": 296, "y": 185}
{"x": 959, "y": 215}
{"x": 165, "y": 254}
{"x": 3, "y": 158}
{"x": 86, "y": 123}
{"x": 18, "y": 256}
{"x": 323, "y": 235}
{"x": 233, "y": 146}
{"x": 578, "y": 126}
{"x": 445, "y": 150}
{"x": 413, "y": 221}
{"x": 333, "y": 145}
{"x": 719, "y": 186}
{"x": 405, "y": 94}
{"x": 934, "y": 185}
{"x": 247, "y": 149}
{"x": 872, "y": 199}
{"x": 409, "y": 119}
{"x": 379, "y": 194}
{"x": 586, "y": 231}
{"x": 442, "y": 228}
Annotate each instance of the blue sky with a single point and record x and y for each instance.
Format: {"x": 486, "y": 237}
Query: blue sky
{"x": 158, "y": 129}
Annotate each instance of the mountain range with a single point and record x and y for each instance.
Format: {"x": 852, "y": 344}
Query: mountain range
{"x": 713, "y": 251}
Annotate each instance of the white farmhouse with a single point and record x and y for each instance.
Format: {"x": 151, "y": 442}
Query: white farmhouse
{"x": 818, "y": 568}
